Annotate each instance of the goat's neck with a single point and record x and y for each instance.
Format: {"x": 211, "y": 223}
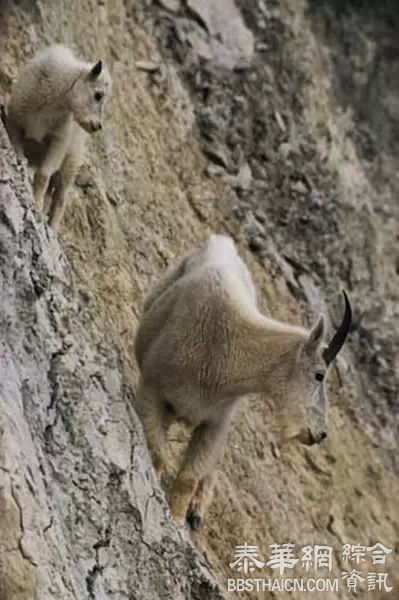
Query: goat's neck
{"x": 262, "y": 354}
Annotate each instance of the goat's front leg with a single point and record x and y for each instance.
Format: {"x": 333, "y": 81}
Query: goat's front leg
{"x": 56, "y": 206}
{"x": 204, "y": 450}
{"x": 51, "y": 163}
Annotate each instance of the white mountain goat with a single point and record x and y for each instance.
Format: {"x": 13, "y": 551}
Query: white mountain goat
{"x": 55, "y": 102}
{"x": 202, "y": 345}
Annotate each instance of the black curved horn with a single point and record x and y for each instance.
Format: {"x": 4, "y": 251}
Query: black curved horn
{"x": 340, "y": 335}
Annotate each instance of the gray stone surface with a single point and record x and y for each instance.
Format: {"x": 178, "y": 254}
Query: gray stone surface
{"x": 231, "y": 43}
{"x": 81, "y": 515}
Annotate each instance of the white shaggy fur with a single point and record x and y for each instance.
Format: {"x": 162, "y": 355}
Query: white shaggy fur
{"x": 55, "y": 102}
{"x": 202, "y": 345}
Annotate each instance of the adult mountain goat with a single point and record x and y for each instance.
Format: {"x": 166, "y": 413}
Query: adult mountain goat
{"x": 202, "y": 345}
{"x": 56, "y": 101}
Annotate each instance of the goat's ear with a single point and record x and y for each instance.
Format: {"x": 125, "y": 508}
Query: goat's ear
{"x": 316, "y": 336}
{"x": 96, "y": 70}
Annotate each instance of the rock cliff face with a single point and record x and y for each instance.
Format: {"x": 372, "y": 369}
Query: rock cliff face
{"x": 274, "y": 122}
{"x": 81, "y": 515}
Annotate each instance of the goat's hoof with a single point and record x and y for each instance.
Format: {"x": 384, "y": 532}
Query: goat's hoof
{"x": 194, "y": 520}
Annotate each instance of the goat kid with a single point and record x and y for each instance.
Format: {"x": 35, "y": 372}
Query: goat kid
{"x": 56, "y": 101}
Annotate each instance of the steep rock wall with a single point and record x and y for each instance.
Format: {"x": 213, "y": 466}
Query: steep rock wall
{"x": 259, "y": 149}
{"x": 81, "y": 515}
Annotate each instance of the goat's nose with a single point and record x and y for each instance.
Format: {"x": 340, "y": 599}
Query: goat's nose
{"x": 315, "y": 438}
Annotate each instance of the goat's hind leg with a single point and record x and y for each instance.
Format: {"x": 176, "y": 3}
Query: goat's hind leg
{"x": 201, "y": 501}
{"x": 62, "y": 182}
{"x": 48, "y": 198}
{"x": 204, "y": 450}
{"x": 155, "y": 420}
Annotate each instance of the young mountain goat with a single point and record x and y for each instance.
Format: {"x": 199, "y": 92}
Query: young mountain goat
{"x": 55, "y": 102}
{"x": 202, "y": 345}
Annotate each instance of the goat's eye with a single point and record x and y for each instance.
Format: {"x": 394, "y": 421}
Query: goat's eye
{"x": 319, "y": 376}
{"x": 98, "y": 96}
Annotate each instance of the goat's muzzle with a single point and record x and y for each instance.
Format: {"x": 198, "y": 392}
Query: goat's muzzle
{"x": 95, "y": 126}
{"x": 310, "y": 438}
{"x": 316, "y": 438}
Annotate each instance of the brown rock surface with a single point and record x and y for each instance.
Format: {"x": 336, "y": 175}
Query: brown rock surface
{"x": 81, "y": 515}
